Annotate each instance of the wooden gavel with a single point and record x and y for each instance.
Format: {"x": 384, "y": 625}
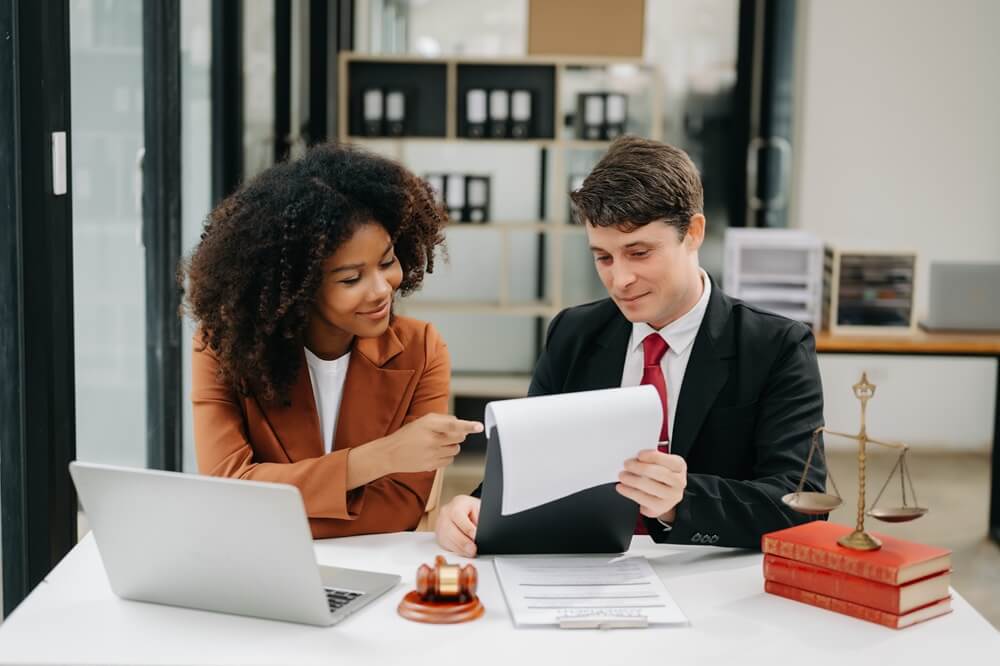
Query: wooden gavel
{"x": 446, "y": 581}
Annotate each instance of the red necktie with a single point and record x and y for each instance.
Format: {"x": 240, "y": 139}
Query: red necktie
{"x": 653, "y": 349}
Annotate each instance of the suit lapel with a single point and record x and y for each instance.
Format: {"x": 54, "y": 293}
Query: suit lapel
{"x": 373, "y": 394}
{"x": 372, "y": 398}
{"x": 706, "y": 373}
{"x": 296, "y": 424}
{"x": 606, "y": 359}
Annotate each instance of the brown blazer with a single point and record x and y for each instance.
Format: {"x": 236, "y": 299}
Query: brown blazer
{"x": 391, "y": 380}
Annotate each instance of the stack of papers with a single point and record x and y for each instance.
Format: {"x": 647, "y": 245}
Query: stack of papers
{"x": 585, "y": 592}
{"x": 538, "y": 435}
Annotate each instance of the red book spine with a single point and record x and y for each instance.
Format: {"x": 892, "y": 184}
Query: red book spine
{"x": 858, "y": 611}
{"x": 832, "y": 583}
{"x": 836, "y": 605}
{"x": 830, "y": 560}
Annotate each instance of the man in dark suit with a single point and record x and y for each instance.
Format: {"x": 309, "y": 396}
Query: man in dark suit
{"x": 739, "y": 386}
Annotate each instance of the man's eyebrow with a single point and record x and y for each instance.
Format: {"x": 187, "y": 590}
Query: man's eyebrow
{"x": 594, "y": 248}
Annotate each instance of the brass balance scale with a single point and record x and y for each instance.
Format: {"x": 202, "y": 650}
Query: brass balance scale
{"x": 821, "y": 503}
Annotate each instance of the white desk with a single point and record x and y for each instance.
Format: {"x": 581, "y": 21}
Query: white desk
{"x": 73, "y": 617}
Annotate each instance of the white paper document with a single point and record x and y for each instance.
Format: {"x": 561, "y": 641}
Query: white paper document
{"x": 556, "y": 445}
{"x": 568, "y": 591}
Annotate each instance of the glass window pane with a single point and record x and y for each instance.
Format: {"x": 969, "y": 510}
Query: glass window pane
{"x": 258, "y": 85}
{"x": 196, "y": 160}
{"x": 108, "y": 258}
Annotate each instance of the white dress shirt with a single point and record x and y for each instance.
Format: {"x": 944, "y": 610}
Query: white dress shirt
{"x": 327, "y": 379}
{"x": 679, "y": 335}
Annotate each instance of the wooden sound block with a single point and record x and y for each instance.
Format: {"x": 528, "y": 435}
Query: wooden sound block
{"x": 413, "y": 607}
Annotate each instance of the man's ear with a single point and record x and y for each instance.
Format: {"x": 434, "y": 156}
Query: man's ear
{"x": 696, "y": 232}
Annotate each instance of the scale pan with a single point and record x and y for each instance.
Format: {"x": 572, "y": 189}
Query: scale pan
{"x": 899, "y": 514}
{"x": 812, "y": 503}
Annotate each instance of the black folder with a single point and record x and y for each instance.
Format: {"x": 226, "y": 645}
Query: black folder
{"x": 595, "y": 520}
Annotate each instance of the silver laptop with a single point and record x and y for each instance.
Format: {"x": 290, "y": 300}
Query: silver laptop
{"x": 225, "y": 545}
{"x": 964, "y": 296}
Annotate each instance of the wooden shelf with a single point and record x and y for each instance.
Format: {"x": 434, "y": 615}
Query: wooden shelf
{"x": 507, "y": 309}
{"x": 490, "y": 386}
{"x": 535, "y": 143}
{"x": 587, "y": 144}
{"x": 355, "y": 138}
{"x": 548, "y": 112}
{"x": 566, "y": 61}
{"x": 550, "y": 226}
{"x": 574, "y": 144}
{"x": 774, "y": 278}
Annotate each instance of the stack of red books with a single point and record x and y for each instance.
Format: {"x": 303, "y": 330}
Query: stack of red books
{"x": 898, "y": 585}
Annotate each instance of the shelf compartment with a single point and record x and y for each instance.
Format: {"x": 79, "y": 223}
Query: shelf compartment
{"x": 425, "y": 86}
{"x": 539, "y": 80}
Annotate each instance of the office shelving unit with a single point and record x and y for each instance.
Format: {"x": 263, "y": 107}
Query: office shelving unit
{"x": 873, "y": 292}
{"x": 786, "y": 271}
{"x": 435, "y": 91}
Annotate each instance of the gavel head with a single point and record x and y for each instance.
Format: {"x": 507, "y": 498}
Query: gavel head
{"x": 446, "y": 581}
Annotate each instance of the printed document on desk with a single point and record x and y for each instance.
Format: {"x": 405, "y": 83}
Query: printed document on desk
{"x": 551, "y": 590}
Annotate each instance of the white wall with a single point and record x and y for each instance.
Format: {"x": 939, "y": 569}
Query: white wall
{"x": 898, "y": 147}
{"x": 494, "y": 28}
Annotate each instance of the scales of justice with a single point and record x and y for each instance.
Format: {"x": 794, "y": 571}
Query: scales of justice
{"x": 814, "y": 503}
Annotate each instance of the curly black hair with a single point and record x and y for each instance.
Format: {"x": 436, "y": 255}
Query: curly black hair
{"x": 253, "y": 278}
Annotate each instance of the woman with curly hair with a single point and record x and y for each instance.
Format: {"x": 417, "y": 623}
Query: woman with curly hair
{"x": 301, "y": 372}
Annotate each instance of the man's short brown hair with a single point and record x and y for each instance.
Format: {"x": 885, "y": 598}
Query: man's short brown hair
{"x": 637, "y": 182}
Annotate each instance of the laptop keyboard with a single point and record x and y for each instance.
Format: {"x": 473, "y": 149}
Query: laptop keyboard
{"x": 337, "y": 599}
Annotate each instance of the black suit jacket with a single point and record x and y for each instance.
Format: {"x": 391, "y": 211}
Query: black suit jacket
{"x": 750, "y": 401}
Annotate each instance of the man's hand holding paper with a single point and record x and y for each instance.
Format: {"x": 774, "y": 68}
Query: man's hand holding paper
{"x": 655, "y": 481}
